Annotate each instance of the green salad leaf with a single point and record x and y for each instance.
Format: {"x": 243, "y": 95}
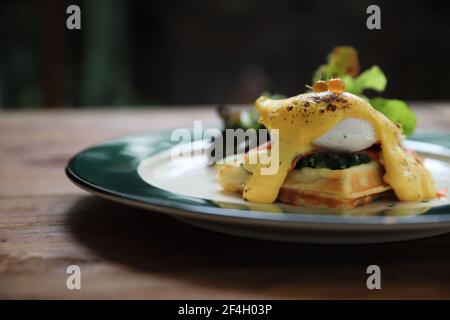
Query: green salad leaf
{"x": 398, "y": 112}
{"x": 341, "y": 61}
{"x": 373, "y": 79}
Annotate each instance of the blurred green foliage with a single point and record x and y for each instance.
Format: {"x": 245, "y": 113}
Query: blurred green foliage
{"x": 92, "y": 66}
{"x": 105, "y": 77}
{"x": 205, "y": 52}
{"x": 20, "y": 47}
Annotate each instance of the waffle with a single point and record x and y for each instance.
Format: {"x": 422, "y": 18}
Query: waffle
{"x": 347, "y": 188}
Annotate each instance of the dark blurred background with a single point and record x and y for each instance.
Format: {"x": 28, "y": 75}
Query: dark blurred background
{"x": 132, "y": 53}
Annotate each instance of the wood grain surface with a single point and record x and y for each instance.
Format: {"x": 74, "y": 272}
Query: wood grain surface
{"x": 47, "y": 224}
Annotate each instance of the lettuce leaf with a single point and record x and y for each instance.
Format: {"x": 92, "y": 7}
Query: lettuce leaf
{"x": 373, "y": 79}
{"x": 397, "y": 111}
{"x": 341, "y": 61}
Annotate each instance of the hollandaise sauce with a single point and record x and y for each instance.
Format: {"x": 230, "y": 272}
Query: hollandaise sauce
{"x": 303, "y": 118}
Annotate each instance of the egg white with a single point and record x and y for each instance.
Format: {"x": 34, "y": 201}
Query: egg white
{"x": 349, "y": 135}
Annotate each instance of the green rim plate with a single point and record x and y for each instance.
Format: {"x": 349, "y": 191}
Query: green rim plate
{"x": 110, "y": 169}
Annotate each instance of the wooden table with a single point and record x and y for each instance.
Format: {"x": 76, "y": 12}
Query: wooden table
{"x": 47, "y": 224}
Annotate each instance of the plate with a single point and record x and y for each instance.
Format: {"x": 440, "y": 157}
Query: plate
{"x": 138, "y": 171}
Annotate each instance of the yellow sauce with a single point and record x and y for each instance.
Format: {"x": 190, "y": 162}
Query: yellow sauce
{"x": 303, "y": 118}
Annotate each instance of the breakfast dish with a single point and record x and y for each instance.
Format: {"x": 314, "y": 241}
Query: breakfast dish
{"x": 337, "y": 147}
{"x": 335, "y": 150}
{"x": 137, "y": 170}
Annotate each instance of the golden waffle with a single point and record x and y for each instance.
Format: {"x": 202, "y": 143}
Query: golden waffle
{"x": 327, "y": 188}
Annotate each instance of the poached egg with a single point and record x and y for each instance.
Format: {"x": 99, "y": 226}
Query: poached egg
{"x": 349, "y": 135}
